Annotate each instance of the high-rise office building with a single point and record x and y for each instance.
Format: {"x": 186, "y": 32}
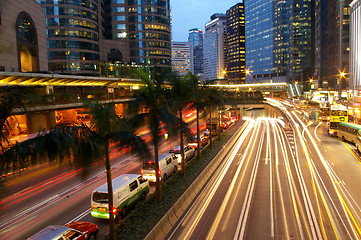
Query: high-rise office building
{"x": 72, "y": 35}
{"x": 149, "y": 32}
{"x": 331, "y": 42}
{"x": 80, "y": 34}
{"x": 182, "y": 57}
{"x": 259, "y": 38}
{"x": 294, "y": 39}
{"x": 355, "y": 45}
{"x": 214, "y": 54}
{"x": 279, "y": 38}
{"x": 235, "y": 44}
{"x": 196, "y": 38}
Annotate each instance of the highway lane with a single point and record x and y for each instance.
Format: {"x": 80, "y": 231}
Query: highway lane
{"x": 275, "y": 183}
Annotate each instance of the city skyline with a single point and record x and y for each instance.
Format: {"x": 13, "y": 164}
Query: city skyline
{"x": 198, "y": 13}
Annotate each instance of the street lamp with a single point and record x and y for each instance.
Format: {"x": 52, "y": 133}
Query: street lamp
{"x": 341, "y": 75}
{"x": 248, "y": 72}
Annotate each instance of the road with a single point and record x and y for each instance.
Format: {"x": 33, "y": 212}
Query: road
{"x": 56, "y": 195}
{"x": 280, "y": 179}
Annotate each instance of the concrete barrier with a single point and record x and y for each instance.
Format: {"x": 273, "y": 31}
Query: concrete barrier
{"x": 166, "y": 226}
{"x": 172, "y": 217}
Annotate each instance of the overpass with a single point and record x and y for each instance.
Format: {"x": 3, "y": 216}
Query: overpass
{"x": 117, "y": 90}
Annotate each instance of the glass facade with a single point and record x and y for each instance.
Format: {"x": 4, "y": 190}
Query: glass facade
{"x": 196, "y": 38}
{"x": 115, "y": 19}
{"x": 280, "y": 38}
{"x": 259, "y": 36}
{"x": 236, "y": 69}
{"x": 149, "y": 32}
{"x": 72, "y": 35}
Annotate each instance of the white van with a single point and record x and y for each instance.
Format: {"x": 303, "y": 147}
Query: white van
{"x": 127, "y": 190}
{"x": 167, "y": 166}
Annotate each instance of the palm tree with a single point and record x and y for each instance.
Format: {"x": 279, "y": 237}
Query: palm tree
{"x": 213, "y": 98}
{"x": 150, "y": 108}
{"x": 197, "y": 95}
{"x": 85, "y": 143}
{"x": 180, "y": 96}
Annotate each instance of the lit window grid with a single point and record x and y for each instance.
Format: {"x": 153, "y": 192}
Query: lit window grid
{"x": 259, "y": 36}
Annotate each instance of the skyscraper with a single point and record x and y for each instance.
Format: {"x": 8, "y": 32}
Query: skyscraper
{"x": 332, "y": 42}
{"x": 80, "y": 34}
{"x": 355, "y": 46}
{"x": 259, "y": 37}
{"x": 196, "y": 38}
{"x": 182, "y": 57}
{"x": 149, "y": 32}
{"x": 279, "y": 38}
{"x": 214, "y": 54}
{"x": 294, "y": 39}
{"x": 235, "y": 43}
{"x": 72, "y": 35}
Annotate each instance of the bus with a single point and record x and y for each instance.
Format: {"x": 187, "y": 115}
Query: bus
{"x": 324, "y": 111}
{"x": 338, "y": 114}
{"x": 350, "y": 132}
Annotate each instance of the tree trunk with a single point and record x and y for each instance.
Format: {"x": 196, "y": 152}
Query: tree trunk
{"x": 198, "y": 137}
{"x": 158, "y": 189}
{"x": 110, "y": 192}
{"x": 183, "y": 162}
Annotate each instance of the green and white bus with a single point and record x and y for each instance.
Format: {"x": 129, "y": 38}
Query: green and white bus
{"x": 350, "y": 132}
{"x": 128, "y": 189}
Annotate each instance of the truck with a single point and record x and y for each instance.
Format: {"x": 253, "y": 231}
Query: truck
{"x": 128, "y": 189}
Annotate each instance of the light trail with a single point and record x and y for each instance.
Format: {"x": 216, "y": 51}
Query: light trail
{"x": 350, "y": 218}
{"x": 242, "y": 221}
{"x": 196, "y": 210}
{"x": 229, "y": 196}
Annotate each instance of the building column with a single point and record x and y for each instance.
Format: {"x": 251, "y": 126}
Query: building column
{"x": 38, "y": 122}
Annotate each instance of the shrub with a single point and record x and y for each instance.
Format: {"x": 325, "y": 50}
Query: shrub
{"x": 145, "y": 215}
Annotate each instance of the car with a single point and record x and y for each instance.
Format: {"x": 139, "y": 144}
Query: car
{"x": 194, "y": 143}
{"x": 189, "y": 152}
{"x": 74, "y": 230}
{"x": 168, "y": 165}
{"x": 206, "y": 133}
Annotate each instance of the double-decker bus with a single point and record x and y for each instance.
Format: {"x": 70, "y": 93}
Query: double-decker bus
{"x": 338, "y": 114}
{"x": 324, "y": 111}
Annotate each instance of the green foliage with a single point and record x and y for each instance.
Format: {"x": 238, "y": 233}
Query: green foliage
{"x": 146, "y": 214}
